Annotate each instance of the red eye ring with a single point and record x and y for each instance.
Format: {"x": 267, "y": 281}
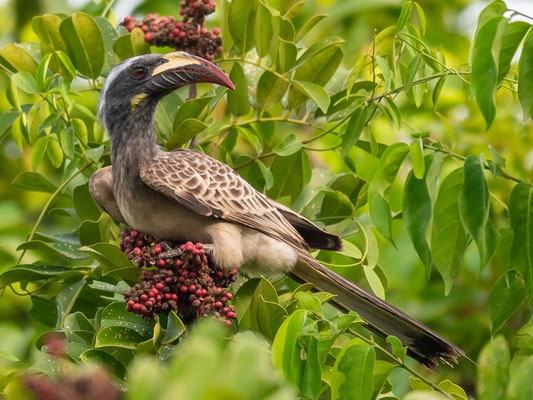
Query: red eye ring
{"x": 139, "y": 72}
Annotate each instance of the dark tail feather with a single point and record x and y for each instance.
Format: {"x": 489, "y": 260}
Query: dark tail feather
{"x": 423, "y": 344}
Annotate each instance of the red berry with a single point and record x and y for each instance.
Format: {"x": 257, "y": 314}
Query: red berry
{"x": 144, "y": 28}
{"x": 137, "y": 250}
{"x": 179, "y": 25}
{"x": 136, "y": 307}
{"x": 159, "y": 286}
{"x": 134, "y": 234}
{"x": 227, "y": 322}
{"x": 231, "y": 314}
{"x": 150, "y": 304}
{"x": 161, "y": 263}
{"x": 183, "y": 289}
{"x": 216, "y": 31}
{"x": 144, "y": 297}
{"x": 229, "y": 296}
{"x": 151, "y": 294}
{"x": 131, "y": 303}
{"x": 218, "y": 304}
{"x": 157, "y": 249}
{"x": 154, "y": 292}
{"x": 198, "y": 293}
{"x": 204, "y": 292}
{"x": 174, "y": 296}
{"x": 218, "y": 49}
{"x": 192, "y": 288}
{"x": 168, "y": 279}
{"x": 168, "y": 296}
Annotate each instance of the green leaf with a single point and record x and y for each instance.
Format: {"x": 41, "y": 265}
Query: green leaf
{"x": 54, "y": 151}
{"x": 131, "y": 45}
{"x": 6, "y": 120}
{"x": 398, "y": 349}
{"x": 238, "y": 101}
{"x": 66, "y": 140}
{"x": 175, "y": 328}
{"x": 46, "y": 27}
{"x": 33, "y": 181}
{"x": 263, "y": 30}
{"x": 317, "y": 47}
{"x": 492, "y": 371}
{"x": 474, "y": 208}
{"x": 194, "y": 108}
{"x": 312, "y": 376}
{"x": 315, "y": 92}
{"x": 416, "y": 150}
{"x": 16, "y": 59}
{"x": 109, "y": 256}
{"x": 285, "y": 348}
{"x": 84, "y": 204}
{"x": 187, "y": 130}
{"x": 521, "y": 212}
{"x": 29, "y": 273}
{"x": 506, "y": 296}
{"x": 65, "y": 301}
{"x": 448, "y": 237}
{"x": 80, "y": 130}
{"x": 405, "y": 14}
{"x": 270, "y": 90}
{"x": 485, "y": 56}
{"x": 520, "y": 385}
{"x": 5, "y": 355}
{"x": 457, "y": 392}
{"x": 287, "y": 53}
{"x": 437, "y": 90}
{"x": 525, "y": 76}
{"x": 318, "y": 68}
{"x": 512, "y": 37}
{"x": 308, "y": 25}
{"x": 290, "y": 184}
{"x": 379, "y": 189}
{"x": 353, "y": 129}
{"x": 336, "y": 207}
{"x": 101, "y": 357}
{"x": 25, "y": 82}
{"x": 85, "y": 45}
{"x": 78, "y": 329}
{"x": 352, "y": 375}
{"x": 288, "y": 146}
{"x": 38, "y": 151}
{"x": 524, "y": 339}
{"x": 417, "y": 214}
{"x": 116, "y": 316}
{"x": 241, "y": 23}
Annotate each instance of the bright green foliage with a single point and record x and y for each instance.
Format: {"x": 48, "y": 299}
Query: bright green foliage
{"x": 369, "y": 134}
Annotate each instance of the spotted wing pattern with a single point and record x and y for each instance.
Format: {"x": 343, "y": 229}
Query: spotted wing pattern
{"x": 211, "y": 188}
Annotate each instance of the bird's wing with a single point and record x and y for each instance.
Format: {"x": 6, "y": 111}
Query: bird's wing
{"x": 211, "y": 188}
{"x": 101, "y": 188}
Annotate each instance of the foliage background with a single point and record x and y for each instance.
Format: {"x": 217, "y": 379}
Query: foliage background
{"x": 463, "y": 316}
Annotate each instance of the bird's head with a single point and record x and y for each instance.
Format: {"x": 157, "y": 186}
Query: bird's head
{"x": 138, "y": 83}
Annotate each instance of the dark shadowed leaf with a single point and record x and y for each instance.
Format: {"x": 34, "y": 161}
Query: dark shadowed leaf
{"x": 292, "y": 174}
{"x": 175, "y": 328}
{"x": 97, "y": 356}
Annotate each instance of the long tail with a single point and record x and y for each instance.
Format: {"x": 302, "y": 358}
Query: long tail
{"x": 422, "y": 343}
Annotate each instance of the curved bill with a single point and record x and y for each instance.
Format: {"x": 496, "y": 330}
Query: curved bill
{"x": 182, "y": 68}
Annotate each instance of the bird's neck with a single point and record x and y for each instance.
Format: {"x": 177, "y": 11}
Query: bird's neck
{"x": 133, "y": 142}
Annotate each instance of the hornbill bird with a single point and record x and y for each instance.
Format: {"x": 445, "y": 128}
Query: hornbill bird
{"x": 185, "y": 195}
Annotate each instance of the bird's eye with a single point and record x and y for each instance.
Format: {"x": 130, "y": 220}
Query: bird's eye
{"x": 139, "y": 72}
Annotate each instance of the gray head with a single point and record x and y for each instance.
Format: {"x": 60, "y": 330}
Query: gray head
{"x": 133, "y": 87}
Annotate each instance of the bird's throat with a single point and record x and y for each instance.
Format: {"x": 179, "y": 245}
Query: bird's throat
{"x": 133, "y": 142}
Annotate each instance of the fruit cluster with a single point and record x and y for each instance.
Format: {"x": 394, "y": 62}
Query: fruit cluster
{"x": 184, "y": 279}
{"x": 189, "y": 34}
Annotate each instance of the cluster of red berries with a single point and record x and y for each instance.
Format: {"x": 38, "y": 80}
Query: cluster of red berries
{"x": 184, "y": 280}
{"x": 189, "y": 35}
